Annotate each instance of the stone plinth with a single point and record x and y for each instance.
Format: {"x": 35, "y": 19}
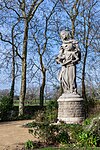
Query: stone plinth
{"x": 70, "y": 108}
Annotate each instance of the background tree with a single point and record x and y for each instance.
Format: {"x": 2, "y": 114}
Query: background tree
{"x": 24, "y": 11}
{"x": 27, "y": 16}
{"x": 12, "y": 55}
{"x": 43, "y": 46}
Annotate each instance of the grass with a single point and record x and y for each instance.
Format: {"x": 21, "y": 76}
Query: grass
{"x": 31, "y": 102}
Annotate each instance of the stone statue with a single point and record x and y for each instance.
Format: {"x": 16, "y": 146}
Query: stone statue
{"x": 69, "y": 56}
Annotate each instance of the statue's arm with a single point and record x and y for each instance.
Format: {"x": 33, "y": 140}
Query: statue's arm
{"x": 76, "y": 59}
{"x": 59, "y": 58}
{"x": 76, "y": 56}
{"x": 66, "y": 62}
{"x": 77, "y": 53}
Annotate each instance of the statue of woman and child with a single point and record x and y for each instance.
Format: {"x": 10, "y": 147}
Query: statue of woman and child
{"x": 69, "y": 55}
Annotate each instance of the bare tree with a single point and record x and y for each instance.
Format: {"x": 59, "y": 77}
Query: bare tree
{"x": 42, "y": 50}
{"x": 11, "y": 42}
{"x": 72, "y": 10}
{"x": 23, "y": 11}
{"x": 87, "y": 24}
{"x": 27, "y": 16}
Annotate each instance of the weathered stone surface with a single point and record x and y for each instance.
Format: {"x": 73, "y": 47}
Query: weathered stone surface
{"x": 70, "y": 108}
{"x": 68, "y": 57}
{"x": 70, "y": 103}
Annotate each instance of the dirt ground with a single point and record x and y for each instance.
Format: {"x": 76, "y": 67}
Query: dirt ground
{"x": 13, "y": 135}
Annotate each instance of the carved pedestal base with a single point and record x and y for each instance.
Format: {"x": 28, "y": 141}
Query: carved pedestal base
{"x": 70, "y": 108}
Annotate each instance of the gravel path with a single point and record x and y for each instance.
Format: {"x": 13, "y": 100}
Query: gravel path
{"x": 13, "y": 135}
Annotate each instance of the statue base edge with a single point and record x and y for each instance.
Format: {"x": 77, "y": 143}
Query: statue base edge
{"x": 71, "y": 120}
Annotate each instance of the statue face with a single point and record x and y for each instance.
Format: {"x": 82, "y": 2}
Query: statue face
{"x": 65, "y": 35}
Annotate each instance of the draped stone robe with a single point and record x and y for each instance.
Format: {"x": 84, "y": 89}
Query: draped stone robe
{"x": 68, "y": 57}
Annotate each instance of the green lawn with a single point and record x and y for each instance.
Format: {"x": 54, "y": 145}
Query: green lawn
{"x": 30, "y": 102}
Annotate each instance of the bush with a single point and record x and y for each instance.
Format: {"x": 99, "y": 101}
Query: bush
{"x": 92, "y": 106}
{"x": 5, "y": 108}
{"x": 49, "y": 133}
{"x": 44, "y": 131}
{"x": 86, "y": 135}
{"x": 30, "y": 145}
{"x": 39, "y": 116}
{"x": 51, "y": 111}
{"x": 48, "y": 114}
{"x": 89, "y": 135}
{"x": 63, "y": 136}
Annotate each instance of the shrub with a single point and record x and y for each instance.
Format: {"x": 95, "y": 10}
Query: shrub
{"x": 49, "y": 114}
{"x": 49, "y": 133}
{"x": 39, "y": 116}
{"x": 5, "y": 108}
{"x": 51, "y": 111}
{"x": 29, "y": 145}
{"x": 90, "y": 136}
{"x": 86, "y": 135}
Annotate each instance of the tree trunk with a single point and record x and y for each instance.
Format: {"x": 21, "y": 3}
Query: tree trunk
{"x": 42, "y": 88}
{"x": 13, "y": 69}
{"x": 83, "y": 84}
{"x": 73, "y": 27}
{"x": 23, "y": 76}
{"x": 12, "y": 90}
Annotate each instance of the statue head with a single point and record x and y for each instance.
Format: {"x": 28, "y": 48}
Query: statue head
{"x": 65, "y": 35}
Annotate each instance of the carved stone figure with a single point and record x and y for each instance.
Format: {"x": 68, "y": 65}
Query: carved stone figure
{"x": 69, "y": 56}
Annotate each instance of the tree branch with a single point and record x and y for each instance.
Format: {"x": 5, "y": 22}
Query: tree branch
{"x": 33, "y": 9}
{"x": 45, "y": 32}
{"x": 7, "y": 41}
{"x": 12, "y": 9}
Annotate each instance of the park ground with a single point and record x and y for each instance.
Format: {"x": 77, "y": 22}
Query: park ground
{"x": 13, "y": 135}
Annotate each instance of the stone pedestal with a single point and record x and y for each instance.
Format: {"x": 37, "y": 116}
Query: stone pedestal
{"x": 70, "y": 108}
